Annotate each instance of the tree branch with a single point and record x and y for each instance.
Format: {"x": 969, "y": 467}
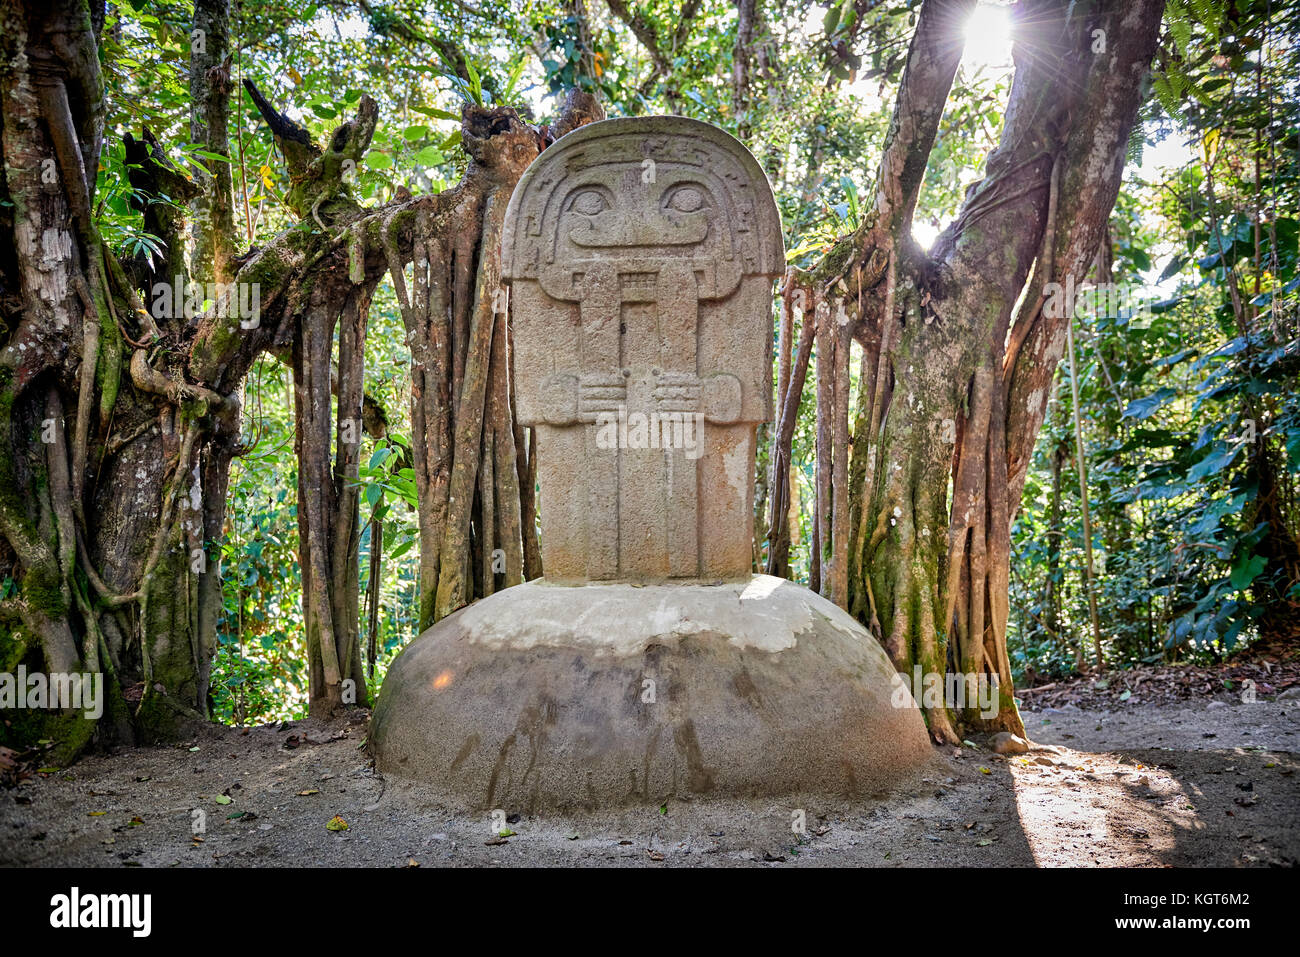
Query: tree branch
{"x": 932, "y": 61}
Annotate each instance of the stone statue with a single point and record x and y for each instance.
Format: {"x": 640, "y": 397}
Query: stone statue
{"x": 649, "y": 662}
{"x": 640, "y": 256}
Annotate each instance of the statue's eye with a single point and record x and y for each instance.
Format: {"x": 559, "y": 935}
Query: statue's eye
{"x": 589, "y": 202}
{"x": 688, "y": 199}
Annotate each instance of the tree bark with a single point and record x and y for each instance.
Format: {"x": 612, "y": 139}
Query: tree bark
{"x": 214, "y": 211}
{"x": 962, "y": 372}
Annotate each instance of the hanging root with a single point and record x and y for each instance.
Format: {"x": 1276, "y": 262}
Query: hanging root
{"x": 794, "y": 294}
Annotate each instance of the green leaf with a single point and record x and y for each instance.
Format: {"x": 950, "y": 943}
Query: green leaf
{"x": 1146, "y": 407}
{"x": 436, "y": 113}
{"x": 475, "y": 82}
{"x": 430, "y": 156}
{"x": 1175, "y": 265}
{"x": 1247, "y": 570}
{"x": 1212, "y": 463}
{"x": 831, "y": 20}
{"x": 207, "y": 154}
{"x": 516, "y": 73}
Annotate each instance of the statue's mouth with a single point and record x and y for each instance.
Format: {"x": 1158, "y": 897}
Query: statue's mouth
{"x": 613, "y": 230}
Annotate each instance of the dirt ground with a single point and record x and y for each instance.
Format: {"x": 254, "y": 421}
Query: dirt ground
{"x": 1208, "y": 781}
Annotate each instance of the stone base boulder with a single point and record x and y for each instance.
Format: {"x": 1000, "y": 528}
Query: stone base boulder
{"x": 557, "y": 698}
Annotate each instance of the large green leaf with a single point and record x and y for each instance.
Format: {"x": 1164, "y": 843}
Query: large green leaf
{"x": 1146, "y": 407}
{"x": 1247, "y": 570}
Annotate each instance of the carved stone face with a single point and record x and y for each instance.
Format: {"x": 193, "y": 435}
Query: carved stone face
{"x": 619, "y": 216}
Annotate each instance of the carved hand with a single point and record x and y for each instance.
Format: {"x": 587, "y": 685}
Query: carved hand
{"x": 717, "y": 395}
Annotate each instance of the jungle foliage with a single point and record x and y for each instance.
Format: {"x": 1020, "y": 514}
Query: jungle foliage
{"x": 1189, "y": 389}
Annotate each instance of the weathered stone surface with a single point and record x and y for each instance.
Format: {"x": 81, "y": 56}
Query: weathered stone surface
{"x": 552, "y": 698}
{"x": 640, "y": 254}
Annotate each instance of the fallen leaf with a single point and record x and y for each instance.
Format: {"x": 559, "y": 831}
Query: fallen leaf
{"x": 336, "y": 823}
{"x": 221, "y": 799}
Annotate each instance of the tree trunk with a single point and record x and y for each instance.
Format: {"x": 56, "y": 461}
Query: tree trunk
{"x": 214, "y": 211}
{"x": 958, "y": 374}
{"x": 462, "y": 418}
{"x": 106, "y": 529}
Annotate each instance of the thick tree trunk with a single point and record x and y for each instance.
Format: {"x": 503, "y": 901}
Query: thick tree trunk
{"x": 105, "y": 529}
{"x": 959, "y": 351}
{"x": 118, "y": 421}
